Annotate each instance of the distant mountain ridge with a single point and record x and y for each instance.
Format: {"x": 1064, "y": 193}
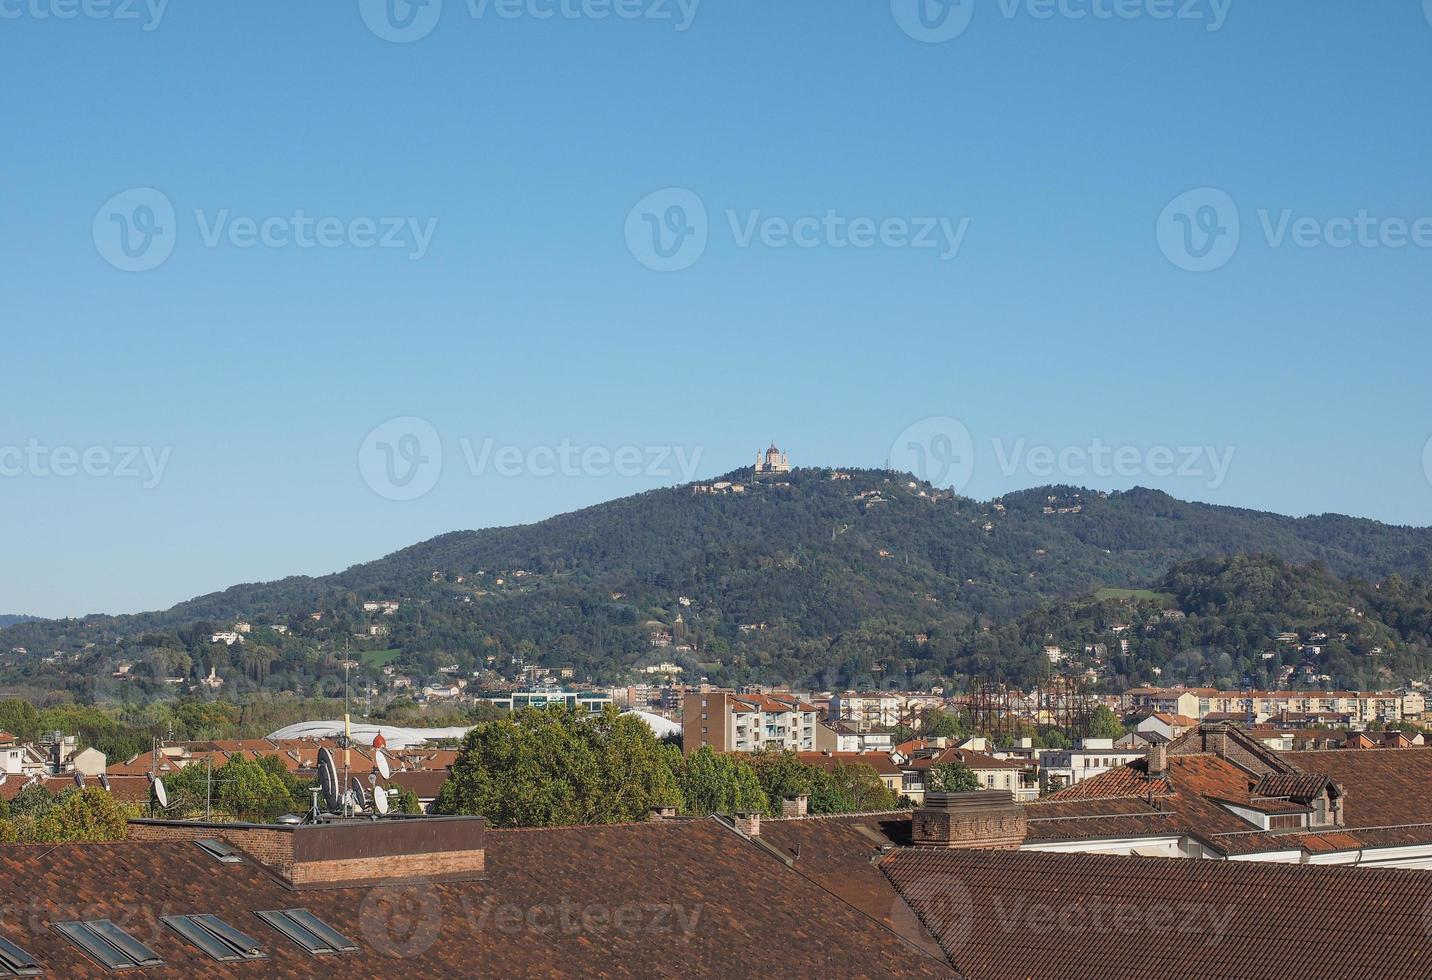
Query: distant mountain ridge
{"x": 11, "y": 620}
{"x": 765, "y": 582}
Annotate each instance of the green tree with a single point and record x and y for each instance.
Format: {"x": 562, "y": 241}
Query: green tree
{"x": 553, "y": 767}
{"x": 782, "y": 774}
{"x": 78, "y": 815}
{"x": 32, "y": 801}
{"x": 942, "y": 724}
{"x": 712, "y": 783}
{"x": 401, "y": 799}
{"x": 951, "y": 777}
{"x": 1103, "y": 723}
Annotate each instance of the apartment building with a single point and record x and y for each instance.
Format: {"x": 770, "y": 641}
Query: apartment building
{"x": 729, "y": 722}
{"x": 1362, "y": 707}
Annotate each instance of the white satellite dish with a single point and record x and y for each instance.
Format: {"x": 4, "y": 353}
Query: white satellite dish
{"x": 384, "y": 769}
{"x": 358, "y": 792}
{"x": 160, "y": 793}
{"x": 380, "y": 799}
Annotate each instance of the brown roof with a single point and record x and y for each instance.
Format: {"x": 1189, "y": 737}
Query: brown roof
{"x": 971, "y": 758}
{"x": 665, "y": 899}
{"x": 1024, "y": 915}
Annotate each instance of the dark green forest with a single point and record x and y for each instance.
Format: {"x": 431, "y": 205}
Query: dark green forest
{"x": 860, "y": 578}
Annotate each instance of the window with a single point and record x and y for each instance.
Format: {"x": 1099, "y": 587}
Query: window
{"x": 220, "y": 851}
{"x": 214, "y": 936}
{"x": 14, "y": 961}
{"x": 109, "y": 944}
{"x": 306, "y": 929}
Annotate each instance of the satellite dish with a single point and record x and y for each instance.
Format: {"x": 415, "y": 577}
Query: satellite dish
{"x": 384, "y": 769}
{"x": 160, "y": 793}
{"x": 380, "y": 799}
{"x": 328, "y": 781}
{"x": 104, "y": 782}
{"x": 358, "y": 792}
{"x": 350, "y": 802}
{"x": 79, "y": 779}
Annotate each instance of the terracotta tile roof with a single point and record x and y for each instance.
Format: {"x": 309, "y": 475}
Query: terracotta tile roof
{"x": 1384, "y": 787}
{"x": 731, "y": 922}
{"x": 978, "y": 761}
{"x": 1026, "y": 915}
{"x": 840, "y": 854}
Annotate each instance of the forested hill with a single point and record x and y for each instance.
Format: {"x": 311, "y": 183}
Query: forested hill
{"x": 821, "y": 574}
{"x": 10, "y": 620}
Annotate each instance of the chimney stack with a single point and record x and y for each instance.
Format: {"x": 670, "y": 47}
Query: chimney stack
{"x": 662, "y": 813}
{"x": 1158, "y": 759}
{"x": 985, "y": 820}
{"x": 748, "y": 823}
{"x": 796, "y": 805}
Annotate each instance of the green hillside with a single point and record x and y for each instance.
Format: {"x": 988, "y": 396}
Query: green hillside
{"x": 865, "y": 577}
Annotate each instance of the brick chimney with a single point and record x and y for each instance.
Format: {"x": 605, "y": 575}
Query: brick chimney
{"x": 662, "y": 813}
{"x": 748, "y": 823}
{"x": 344, "y": 853}
{"x": 1158, "y": 759}
{"x": 984, "y": 820}
{"x": 796, "y": 805}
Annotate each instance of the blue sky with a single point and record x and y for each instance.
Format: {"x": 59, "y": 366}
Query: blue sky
{"x": 487, "y": 266}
